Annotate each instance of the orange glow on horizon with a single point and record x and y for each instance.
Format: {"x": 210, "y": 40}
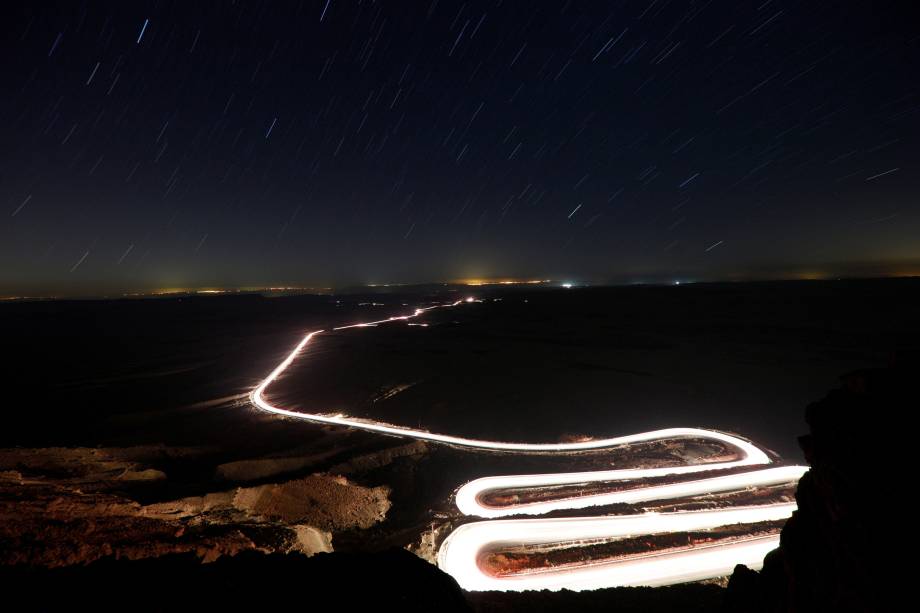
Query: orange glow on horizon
{"x": 502, "y": 281}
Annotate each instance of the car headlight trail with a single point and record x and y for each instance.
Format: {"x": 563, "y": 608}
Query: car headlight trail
{"x": 462, "y": 552}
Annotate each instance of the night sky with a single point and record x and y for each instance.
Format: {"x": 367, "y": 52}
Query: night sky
{"x": 198, "y": 144}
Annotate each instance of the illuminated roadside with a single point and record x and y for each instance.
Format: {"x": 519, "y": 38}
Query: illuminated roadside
{"x": 459, "y": 553}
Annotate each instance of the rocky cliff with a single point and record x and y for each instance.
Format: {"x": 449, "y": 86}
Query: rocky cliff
{"x": 830, "y": 556}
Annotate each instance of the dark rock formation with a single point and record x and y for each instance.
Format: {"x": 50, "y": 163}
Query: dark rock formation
{"x": 830, "y": 556}
{"x": 685, "y": 598}
{"x": 393, "y": 580}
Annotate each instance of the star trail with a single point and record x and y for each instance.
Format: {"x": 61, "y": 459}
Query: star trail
{"x": 324, "y": 143}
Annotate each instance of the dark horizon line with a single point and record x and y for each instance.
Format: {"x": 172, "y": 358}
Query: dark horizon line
{"x": 352, "y": 289}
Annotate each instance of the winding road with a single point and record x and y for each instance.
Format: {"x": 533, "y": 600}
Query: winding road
{"x": 462, "y": 552}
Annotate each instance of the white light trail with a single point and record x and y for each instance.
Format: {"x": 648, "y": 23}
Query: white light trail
{"x": 469, "y": 496}
{"x": 460, "y": 553}
{"x": 143, "y": 29}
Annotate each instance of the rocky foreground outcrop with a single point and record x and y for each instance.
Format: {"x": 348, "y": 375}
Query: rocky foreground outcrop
{"x": 831, "y": 550}
{"x": 66, "y": 506}
{"x": 393, "y": 580}
{"x": 390, "y": 580}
